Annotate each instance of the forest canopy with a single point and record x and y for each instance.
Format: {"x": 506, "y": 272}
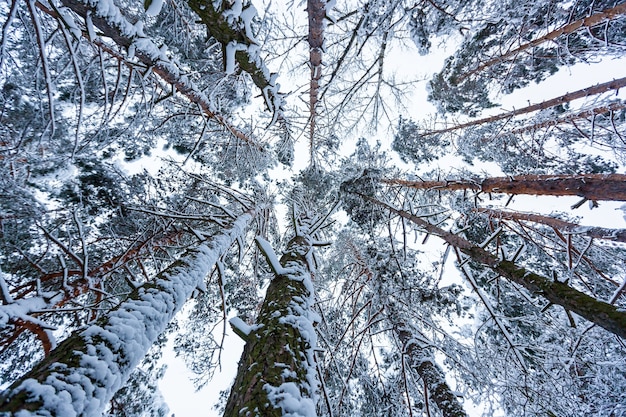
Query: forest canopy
{"x": 276, "y": 171}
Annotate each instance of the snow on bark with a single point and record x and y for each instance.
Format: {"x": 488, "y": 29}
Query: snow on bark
{"x": 108, "y": 18}
{"x": 423, "y": 362}
{"x": 155, "y": 7}
{"x": 80, "y": 376}
{"x": 231, "y": 25}
{"x": 277, "y": 375}
{"x": 605, "y": 315}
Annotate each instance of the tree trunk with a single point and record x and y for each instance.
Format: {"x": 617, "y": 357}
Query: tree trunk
{"x": 316, "y": 10}
{"x": 83, "y": 373}
{"x": 605, "y": 315}
{"x": 587, "y": 22}
{"x": 114, "y": 25}
{"x": 277, "y": 374}
{"x": 423, "y": 362}
{"x": 419, "y": 357}
{"x": 615, "y": 235}
{"x": 570, "y": 118}
{"x": 248, "y": 58}
{"x": 601, "y": 187}
{"x": 566, "y": 98}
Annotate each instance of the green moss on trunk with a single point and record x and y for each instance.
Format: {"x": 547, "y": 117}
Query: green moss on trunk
{"x": 277, "y": 351}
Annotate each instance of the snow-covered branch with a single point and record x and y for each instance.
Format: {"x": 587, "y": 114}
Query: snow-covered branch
{"x": 231, "y": 25}
{"x": 109, "y": 19}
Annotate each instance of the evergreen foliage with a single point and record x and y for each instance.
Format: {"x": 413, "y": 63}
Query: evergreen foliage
{"x": 148, "y": 155}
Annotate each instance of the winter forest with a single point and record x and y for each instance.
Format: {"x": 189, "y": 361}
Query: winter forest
{"x": 269, "y": 170}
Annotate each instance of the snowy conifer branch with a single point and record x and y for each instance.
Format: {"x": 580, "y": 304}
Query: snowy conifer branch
{"x": 266, "y": 249}
{"x": 231, "y": 25}
{"x": 109, "y": 19}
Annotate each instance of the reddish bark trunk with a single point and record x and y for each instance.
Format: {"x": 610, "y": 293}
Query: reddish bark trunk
{"x": 587, "y": 22}
{"x": 316, "y": 10}
{"x": 572, "y": 117}
{"x": 616, "y": 235}
{"x": 600, "y": 187}
{"x": 566, "y": 98}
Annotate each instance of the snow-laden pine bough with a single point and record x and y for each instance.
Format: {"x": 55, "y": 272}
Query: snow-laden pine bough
{"x": 105, "y": 16}
{"x": 83, "y": 373}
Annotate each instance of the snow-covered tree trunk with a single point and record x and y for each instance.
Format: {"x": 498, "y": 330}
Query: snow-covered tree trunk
{"x": 605, "y": 315}
{"x": 422, "y": 361}
{"x": 231, "y": 25}
{"x": 83, "y": 373}
{"x": 277, "y": 373}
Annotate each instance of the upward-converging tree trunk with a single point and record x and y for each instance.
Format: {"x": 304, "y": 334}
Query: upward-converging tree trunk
{"x": 605, "y": 315}
{"x": 422, "y": 361}
{"x": 587, "y": 22}
{"x": 83, "y": 373}
{"x": 617, "y": 235}
{"x": 418, "y": 355}
{"x": 566, "y": 98}
{"x": 277, "y": 374}
{"x": 237, "y": 35}
{"x": 572, "y": 117}
{"x": 601, "y": 187}
{"x": 316, "y": 10}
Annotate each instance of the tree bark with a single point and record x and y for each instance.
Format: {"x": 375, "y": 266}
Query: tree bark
{"x": 609, "y": 108}
{"x": 423, "y": 362}
{"x": 419, "y": 356}
{"x": 114, "y": 25}
{"x": 600, "y": 187}
{"x": 277, "y": 373}
{"x": 587, "y": 22}
{"x": 605, "y": 315}
{"x": 83, "y": 373}
{"x": 316, "y": 10}
{"x": 224, "y": 32}
{"x": 615, "y": 235}
{"x": 566, "y": 98}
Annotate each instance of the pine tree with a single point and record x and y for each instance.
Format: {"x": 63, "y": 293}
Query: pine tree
{"x": 522, "y": 313}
